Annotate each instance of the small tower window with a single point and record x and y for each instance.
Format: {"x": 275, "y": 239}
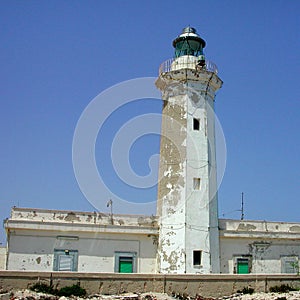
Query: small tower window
{"x": 197, "y": 257}
{"x": 196, "y": 124}
{"x": 196, "y": 183}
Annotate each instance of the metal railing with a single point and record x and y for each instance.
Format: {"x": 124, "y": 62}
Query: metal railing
{"x": 172, "y": 64}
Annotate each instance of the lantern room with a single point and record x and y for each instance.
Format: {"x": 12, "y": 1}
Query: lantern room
{"x": 189, "y": 43}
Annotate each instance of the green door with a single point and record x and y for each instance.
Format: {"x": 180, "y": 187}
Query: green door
{"x": 125, "y": 265}
{"x": 242, "y": 266}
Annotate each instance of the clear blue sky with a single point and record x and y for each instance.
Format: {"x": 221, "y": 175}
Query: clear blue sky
{"x": 56, "y": 56}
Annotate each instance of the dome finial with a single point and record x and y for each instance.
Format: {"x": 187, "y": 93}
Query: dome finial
{"x": 189, "y": 29}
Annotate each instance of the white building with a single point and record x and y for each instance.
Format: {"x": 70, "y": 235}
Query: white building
{"x": 186, "y": 236}
{"x": 259, "y": 247}
{"x": 51, "y": 240}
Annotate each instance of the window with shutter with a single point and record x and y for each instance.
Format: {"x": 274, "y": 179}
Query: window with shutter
{"x": 125, "y": 262}
{"x": 289, "y": 264}
{"x": 65, "y": 260}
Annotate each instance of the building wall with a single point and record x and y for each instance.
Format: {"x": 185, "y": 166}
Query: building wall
{"x": 266, "y": 256}
{"x": 96, "y": 253}
{"x": 2, "y": 258}
{"x": 270, "y": 247}
{"x": 229, "y": 249}
{"x": 50, "y": 240}
{"x": 34, "y": 236}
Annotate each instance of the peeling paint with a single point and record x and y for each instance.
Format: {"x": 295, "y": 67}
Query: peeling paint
{"x": 295, "y": 228}
{"x": 121, "y": 222}
{"x": 70, "y": 217}
{"x": 59, "y": 217}
{"x": 89, "y": 218}
{"x": 246, "y": 227}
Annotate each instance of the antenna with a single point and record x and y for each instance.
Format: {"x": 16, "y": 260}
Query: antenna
{"x": 242, "y": 207}
{"x": 241, "y": 210}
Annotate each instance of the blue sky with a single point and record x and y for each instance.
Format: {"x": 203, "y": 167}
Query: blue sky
{"x": 56, "y": 56}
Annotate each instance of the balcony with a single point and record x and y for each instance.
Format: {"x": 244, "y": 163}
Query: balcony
{"x": 186, "y": 62}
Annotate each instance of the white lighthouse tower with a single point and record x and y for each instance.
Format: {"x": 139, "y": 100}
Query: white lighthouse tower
{"x": 187, "y": 191}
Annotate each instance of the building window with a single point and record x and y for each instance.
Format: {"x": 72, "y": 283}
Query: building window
{"x": 196, "y": 124}
{"x": 197, "y": 257}
{"x": 196, "y": 183}
{"x": 65, "y": 260}
{"x": 242, "y": 266}
{"x": 125, "y": 262}
{"x": 289, "y": 264}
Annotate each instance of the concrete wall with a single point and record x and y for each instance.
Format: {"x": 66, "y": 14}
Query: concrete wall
{"x": 47, "y": 216}
{"x": 96, "y": 253}
{"x": 205, "y": 285}
{"x": 34, "y": 234}
{"x": 2, "y": 258}
{"x": 244, "y": 228}
{"x": 266, "y": 256}
{"x": 265, "y": 244}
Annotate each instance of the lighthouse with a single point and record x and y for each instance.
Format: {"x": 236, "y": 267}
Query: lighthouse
{"x": 187, "y": 203}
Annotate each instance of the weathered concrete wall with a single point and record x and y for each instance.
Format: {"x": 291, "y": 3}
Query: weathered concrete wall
{"x": 266, "y": 256}
{"x": 2, "y": 258}
{"x": 96, "y": 253}
{"x": 47, "y": 217}
{"x": 96, "y": 238}
{"x": 266, "y": 244}
{"x": 258, "y": 228}
{"x": 34, "y": 234}
{"x": 205, "y": 285}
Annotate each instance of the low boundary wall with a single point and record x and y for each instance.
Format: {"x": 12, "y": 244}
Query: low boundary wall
{"x": 115, "y": 283}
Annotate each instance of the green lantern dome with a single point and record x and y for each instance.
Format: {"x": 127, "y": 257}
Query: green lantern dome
{"x": 189, "y": 43}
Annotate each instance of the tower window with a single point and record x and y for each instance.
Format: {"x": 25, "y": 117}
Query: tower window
{"x": 196, "y": 183}
{"x": 197, "y": 257}
{"x": 196, "y": 124}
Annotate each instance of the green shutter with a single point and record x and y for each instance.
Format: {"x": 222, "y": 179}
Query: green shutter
{"x": 125, "y": 265}
{"x": 242, "y": 267}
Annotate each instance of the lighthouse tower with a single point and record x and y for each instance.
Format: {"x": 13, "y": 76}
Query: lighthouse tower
{"x": 187, "y": 191}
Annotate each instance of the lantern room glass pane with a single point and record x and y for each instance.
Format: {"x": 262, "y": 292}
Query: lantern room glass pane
{"x": 188, "y": 47}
